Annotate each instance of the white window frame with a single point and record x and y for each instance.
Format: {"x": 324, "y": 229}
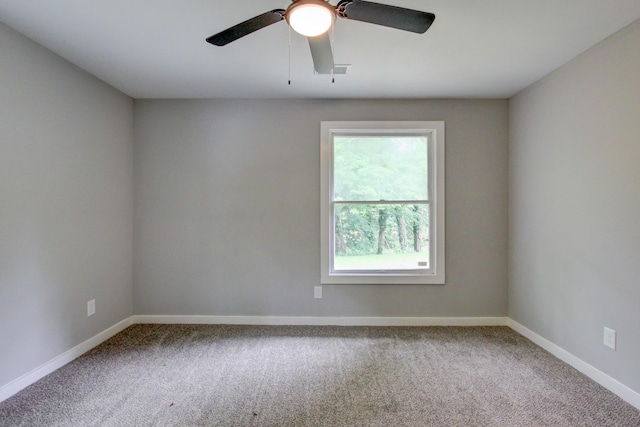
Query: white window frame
{"x": 435, "y": 131}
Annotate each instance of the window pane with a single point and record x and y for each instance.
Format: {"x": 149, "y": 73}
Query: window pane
{"x": 374, "y": 168}
{"x": 381, "y": 237}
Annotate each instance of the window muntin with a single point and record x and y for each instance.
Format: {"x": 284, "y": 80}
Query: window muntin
{"x": 382, "y": 202}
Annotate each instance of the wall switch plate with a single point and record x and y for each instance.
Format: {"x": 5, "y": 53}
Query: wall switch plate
{"x": 609, "y": 338}
{"x": 91, "y": 308}
{"x": 317, "y": 292}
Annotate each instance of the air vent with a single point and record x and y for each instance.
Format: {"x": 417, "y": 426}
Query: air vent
{"x": 341, "y": 68}
{"x": 338, "y": 70}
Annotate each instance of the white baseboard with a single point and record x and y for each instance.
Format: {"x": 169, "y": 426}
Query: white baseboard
{"x": 8, "y": 390}
{"x": 31, "y": 377}
{"x": 317, "y": 321}
{"x": 613, "y": 385}
{"x": 598, "y": 376}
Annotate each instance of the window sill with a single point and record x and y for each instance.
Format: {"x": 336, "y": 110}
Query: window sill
{"x": 376, "y": 279}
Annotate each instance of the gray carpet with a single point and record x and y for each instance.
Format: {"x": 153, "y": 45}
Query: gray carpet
{"x": 204, "y": 375}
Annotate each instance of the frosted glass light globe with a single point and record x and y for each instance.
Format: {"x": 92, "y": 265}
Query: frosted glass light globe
{"x": 310, "y": 19}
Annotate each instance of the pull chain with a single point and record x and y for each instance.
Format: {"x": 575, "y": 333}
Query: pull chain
{"x": 289, "y": 55}
{"x": 333, "y": 66}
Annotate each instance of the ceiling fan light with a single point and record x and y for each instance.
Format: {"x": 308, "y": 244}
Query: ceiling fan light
{"x": 310, "y": 18}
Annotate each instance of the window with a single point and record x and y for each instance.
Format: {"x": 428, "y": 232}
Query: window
{"x": 382, "y": 202}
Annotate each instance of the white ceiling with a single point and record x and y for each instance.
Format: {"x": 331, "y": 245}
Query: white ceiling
{"x": 475, "y": 49}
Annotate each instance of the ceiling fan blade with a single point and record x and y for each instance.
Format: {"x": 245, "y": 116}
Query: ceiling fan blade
{"x": 388, "y": 16}
{"x": 321, "y": 53}
{"x": 247, "y": 27}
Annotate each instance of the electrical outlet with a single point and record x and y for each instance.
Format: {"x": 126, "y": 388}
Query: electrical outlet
{"x": 91, "y": 307}
{"x": 609, "y": 338}
{"x": 317, "y": 292}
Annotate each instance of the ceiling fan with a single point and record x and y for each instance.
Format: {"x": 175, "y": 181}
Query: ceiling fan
{"x": 313, "y": 19}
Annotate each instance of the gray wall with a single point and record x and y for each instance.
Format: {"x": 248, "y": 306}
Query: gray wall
{"x": 66, "y": 208}
{"x": 575, "y": 206}
{"x": 227, "y": 200}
